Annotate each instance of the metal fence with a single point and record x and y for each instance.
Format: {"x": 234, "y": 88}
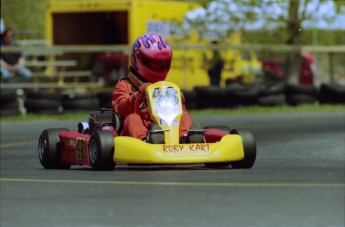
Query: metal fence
{"x": 330, "y": 59}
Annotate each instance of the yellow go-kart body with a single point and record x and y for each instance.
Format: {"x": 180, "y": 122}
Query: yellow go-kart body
{"x": 163, "y": 100}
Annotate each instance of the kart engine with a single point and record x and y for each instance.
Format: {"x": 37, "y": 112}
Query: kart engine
{"x": 100, "y": 119}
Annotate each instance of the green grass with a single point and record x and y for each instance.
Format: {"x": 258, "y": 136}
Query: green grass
{"x": 79, "y": 116}
{"x": 277, "y": 109}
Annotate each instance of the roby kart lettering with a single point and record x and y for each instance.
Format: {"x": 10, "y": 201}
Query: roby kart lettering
{"x": 172, "y": 148}
{"x": 199, "y": 148}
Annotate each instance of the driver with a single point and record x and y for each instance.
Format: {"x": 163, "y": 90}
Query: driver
{"x": 150, "y": 62}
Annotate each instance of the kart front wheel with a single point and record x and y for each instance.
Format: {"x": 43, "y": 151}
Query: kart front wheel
{"x": 249, "y": 147}
{"x": 49, "y": 149}
{"x": 101, "y": 150}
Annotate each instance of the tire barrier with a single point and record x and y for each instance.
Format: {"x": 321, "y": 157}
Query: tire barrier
{"x": 210, "y": 97}
{"x": 190, "y": 98}
{"x": 297, "y": 94}
{"x": 241, "y": 96}
{"x": 332, "y": 94}
{"x": 42, "y": 102}
{"x": 201, "y": 97}
{"x": 11, "y": 102}
{"x": 80, "y": 102}
{"x": 104, "y": 99}
{"x": 272, "y": 100}
{"x": 272, "y": 94}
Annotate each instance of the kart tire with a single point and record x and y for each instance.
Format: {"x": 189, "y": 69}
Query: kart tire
{"x": 101, "y": 150}
{"x": 249, "y": 147}
{"x": 49, "y": 149}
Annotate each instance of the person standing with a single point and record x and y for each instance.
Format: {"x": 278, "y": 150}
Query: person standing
{"x": 215, "y": 67}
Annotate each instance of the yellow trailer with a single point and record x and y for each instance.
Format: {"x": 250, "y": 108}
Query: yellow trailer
{"x": 112, "y": 22}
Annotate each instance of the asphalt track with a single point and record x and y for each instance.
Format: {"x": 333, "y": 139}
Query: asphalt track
{"x": 297, "y": 180}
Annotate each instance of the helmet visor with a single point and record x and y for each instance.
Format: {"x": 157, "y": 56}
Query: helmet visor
{"x": 157, "y": 65}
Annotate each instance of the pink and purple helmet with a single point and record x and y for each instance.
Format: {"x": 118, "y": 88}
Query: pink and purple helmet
{"x": 151, "y": 58}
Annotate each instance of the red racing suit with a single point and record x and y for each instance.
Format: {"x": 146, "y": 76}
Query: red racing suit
{"x": 135, "y": 125}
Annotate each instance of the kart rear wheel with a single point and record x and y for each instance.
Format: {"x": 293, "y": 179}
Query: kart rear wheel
{"x": 101, "y": 150}
{"x": 249, "y": 147}
{"x": 49, "y": 149}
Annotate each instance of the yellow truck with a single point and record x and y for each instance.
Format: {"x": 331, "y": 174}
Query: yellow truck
{"x": 120, "y": 22}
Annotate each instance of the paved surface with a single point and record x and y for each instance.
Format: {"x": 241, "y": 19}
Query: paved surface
{"x": 297, "y": 180}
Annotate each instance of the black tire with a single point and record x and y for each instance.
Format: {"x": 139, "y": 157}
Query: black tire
{"x": 49, "y": 149}
{"x": 80, "y": 104}
{"x": 272, "y": 100}
{"x": 190, "y": 98}
{"x": 241, "y": 96}
{"x": 101, "y": 150}
{"x": 298, "y": 89}
{"x": 43, "y": 95}
{"x": 269, "y": 89}
{"x": 332, "y": 94}
{"x": 7, "y": 96}
{"x": 104, "y": 99}
{"x": 77, "y": 95}
{"x": 296, "y": 100}
{"x": 9, "y": 112}
{"x": 249, "y": 146}
{"x": 210, "y": 97}
{"x": 37, "y": 105}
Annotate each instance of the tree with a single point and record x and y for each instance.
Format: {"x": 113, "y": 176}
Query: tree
{"x": 290, "y": 17}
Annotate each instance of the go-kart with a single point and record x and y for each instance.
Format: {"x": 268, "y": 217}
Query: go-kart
{"x": 99, "y": 144}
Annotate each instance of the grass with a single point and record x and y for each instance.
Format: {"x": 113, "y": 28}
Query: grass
{"x": 276, "y": 109}
{"x": 240, "y": 110}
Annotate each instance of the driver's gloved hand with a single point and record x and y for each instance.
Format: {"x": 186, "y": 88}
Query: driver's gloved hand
{"x": 143, "y": 86}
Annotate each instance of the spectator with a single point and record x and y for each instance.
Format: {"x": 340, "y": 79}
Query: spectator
{"x": 2, "y": 26}
{"x": 12, "y": 64}
{"x": 215, "y": 66}
{"x": 307, "y": 70}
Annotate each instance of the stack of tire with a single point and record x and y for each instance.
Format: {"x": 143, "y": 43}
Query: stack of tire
{"x": 9, "y": 103}
{"x": 43, "y": 102}
{"x": 190, "y": 98}
{"x": 85, "y": 101}
{"x": 104, "y": 99}
{"x": 297, "y": 94}
{"x": 272, "y": 94}
{"x": 240, "y": 95}
{"x": 331, "y": 94}
{"x": 210, "y": 97}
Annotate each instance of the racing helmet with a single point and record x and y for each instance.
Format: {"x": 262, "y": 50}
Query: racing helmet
{"x": 151, "y": 58}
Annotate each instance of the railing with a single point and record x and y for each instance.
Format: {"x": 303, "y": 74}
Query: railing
{"x": 53, "y": 67}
